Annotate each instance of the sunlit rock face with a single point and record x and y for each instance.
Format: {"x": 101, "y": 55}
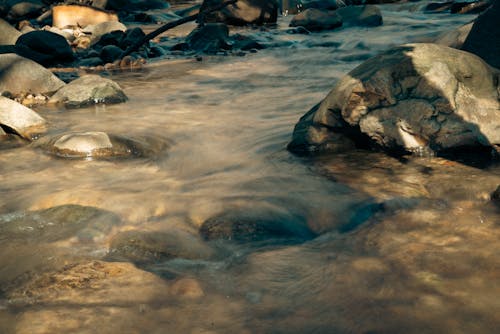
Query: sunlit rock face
{"x": 410, "y": 97}
{"x": 22, "y": 120}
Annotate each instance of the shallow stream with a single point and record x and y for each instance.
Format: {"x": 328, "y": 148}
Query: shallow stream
{"x": 347, "y": 243}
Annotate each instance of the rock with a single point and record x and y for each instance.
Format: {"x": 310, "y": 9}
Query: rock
{"x": 131, "y": 37}
{"x": 8, "y": 34}
{"x": 99, "y": 29}
{"x": 136, "y": 5}
{"x": 32, "y": 8}
{"x": 21, "y": 75}
{"x": 408, "y": 98}
{"x": 57, "y": 223}
{"x": 254, "y": 226}
{"x": 149, "y": 247}
{"x": 495, "y": 196}
{"x": 317, "y": 20}
{"x": 455, "y": 38}
{"x": 68, "y": 34}
{"x": 195, "y": 9}
{"x": 88, "y": 90}
{"x": 243, "y": 12}
{"x": 438, "y": 7}
{"x": 22, "y": 120}
{"x": 110, "y": 53}
{"x": 111, "y": 38}
{"x": 91, "y": 62}
{"x": 187, "y": 288}
{"x": 44, "y": 47}
{"x": 319, "y": 4}
{"x": 470, "y": 7}
{"x": 245, "y": 43}
{"x": 100, "y": 145}
{"x": 77, "y": 15}
{"x": 361, "y": 16}
{"x": 484, "y": 37}
{"x": 209, "y": 38}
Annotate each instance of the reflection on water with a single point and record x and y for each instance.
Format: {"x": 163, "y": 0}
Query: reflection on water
{"x": 372, "y": 244}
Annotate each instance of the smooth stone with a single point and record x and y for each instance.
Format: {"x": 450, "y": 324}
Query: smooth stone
{"x": 455, "y": 38}
{"x": 31, "y": 8}
{"x": 110, "y": 53}
{"x": 360, "y": 16}
{"x": 409, "y": 98}
{"x": 484, "y": 37}
{"x": 131, "y": 37}
{"x": 88, "y": 90}
{"x": 243, "y": 12}
{"x": 44, "y": 47}
{"x": 99, "y": 29}
{"x": 78, "y": 15}
{"x": 53, "y": 224}
{"x": 100, "y": 145}
{"x": 8, "y": 34}
{"x": 150, "y": 247}
{"x": 110, "y": 38}
{"x": 209, "y": 38}
{"x": 24, "y": 121}
{"x": 316, "y": 20}
{"x": 66, "y": 33}
{"x": 253, "y": 226}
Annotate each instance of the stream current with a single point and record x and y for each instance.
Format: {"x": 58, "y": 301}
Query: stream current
{"x": 365, "y": 243}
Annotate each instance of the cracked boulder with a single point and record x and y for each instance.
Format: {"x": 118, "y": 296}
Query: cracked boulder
{"x": 410, "y": 98}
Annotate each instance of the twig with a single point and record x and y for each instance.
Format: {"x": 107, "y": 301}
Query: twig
{"x": 173, "y": 24}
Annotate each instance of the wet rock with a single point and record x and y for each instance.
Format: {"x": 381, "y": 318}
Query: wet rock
{"x": 57, "y": 223}
{"x": 20, "y": 75}
{"x": 409, "y": 98}
{"x": 484, "y": 37}
{"x": 110, "y": 38}
{"x": 44, "y": 47}
{"x": 8, "y": 34}
{"x": 100, "y": 145}
{"x": 245, "y": 43}
{"x": 77, "y": 15}
{"x": 27, "y": 9}
{"x": 149, "y": 247}
{"x": 317, "y": 20}
{"x": 469, "y": 7}
{"x": 455, "y": 38}
{"x": 91, "y": 62}
{"x": 98, "y": 30}
{"x": 110, "y": 53}
{"x": 209, "y": 38}
{"x": 495, "y": 196}
{"x": 255, "y": 226}
{"x": 88, "y": 90}
{"x": 361, "y": 16}
{"x": 243, "y": 12}
{"x": 24, "y": 121}
{"x": 131, "y": 37}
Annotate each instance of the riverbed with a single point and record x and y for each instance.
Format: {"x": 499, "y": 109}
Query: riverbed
{"x": 366, "y": 243}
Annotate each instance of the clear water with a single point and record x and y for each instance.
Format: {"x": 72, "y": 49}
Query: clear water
{"x": 428, "y": 261}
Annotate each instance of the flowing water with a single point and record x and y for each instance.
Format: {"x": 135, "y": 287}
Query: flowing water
{"x": 351, "y": 243}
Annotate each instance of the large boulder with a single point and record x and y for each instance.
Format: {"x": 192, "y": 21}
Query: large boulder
{"x": 21, "y": 75}
{"x": 484, "y": 37}
{"x": 44, "y": 47}
{"x": 410, "y": 98}
{"x": 243, "y": 12}
{"x": 88, "y": 90}
{"x": 8, "y": 34}
{"x": 20, "y": 119}
{"x": 316, "y": 20}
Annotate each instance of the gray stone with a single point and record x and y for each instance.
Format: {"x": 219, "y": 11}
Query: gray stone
{"x": 21, "y": 75}
{"x": 243, "y": 12}
{"x": 97, "y": 30}
{"x": 316, "y": 20}
{"x": 21, "y": 119}
{"x": 8, "y": 34}
{"x": 410, "y": 97}
{"x": 361, "y": 16}
{"x": 455, "y": 38}
{"x": 88, "y": 90}
{"x": 30, "y": 8}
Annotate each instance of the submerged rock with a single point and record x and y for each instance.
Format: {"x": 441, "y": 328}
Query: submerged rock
{"x": 361, "y": 16}
{"x": 484, "y": 37}
{"x": 21, "y": 119}
{"x": 243, "y": 12}
{"x": 316, "y": 20}
{"x": 57, "y": 223}
{"x": 21, "y": 75}
{"x": 407, "y": 99}
{"x": 88, "y": 90}
{"x": 253, "y": 226}
{"x": 100, "y": 145}
{"x": 148, "y": 247}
